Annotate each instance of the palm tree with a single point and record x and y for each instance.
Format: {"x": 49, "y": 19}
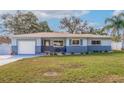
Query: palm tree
{"x": 121, "y": 15}
{"x": 115, "y": 24}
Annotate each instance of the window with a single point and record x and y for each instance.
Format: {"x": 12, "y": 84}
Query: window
{"x": 58, "y": 43}
{"x": 75, "y": 42}
{"x": 96, "y": 42}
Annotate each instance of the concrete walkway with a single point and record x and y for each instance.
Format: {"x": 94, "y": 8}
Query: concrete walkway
{"x": 9, "y": 59}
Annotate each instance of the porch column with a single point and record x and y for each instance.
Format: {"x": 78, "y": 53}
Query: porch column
{"x": 67, "y": 46}
{"x": 14, "y": 45}
{"x": 67, "y": 42}
{"x": 38, "y": 48}
{"x": 85, "y": 42}
{"x": 85, "y": 45}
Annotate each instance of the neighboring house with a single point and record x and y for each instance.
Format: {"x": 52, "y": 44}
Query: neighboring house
{"x": 37, "y": 43}
{"x": 117, "y": 45}
{"x": 5, "y": 47}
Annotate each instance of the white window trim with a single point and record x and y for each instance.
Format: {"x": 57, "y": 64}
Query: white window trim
{"x": 57, "y": 40}
{"x": 75, "y": 44}
{"x": 96, "y": 44}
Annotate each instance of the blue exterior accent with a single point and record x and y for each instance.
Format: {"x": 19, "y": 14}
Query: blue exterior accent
{"x": 53, "y": 49}
{"x": 15, "y": 49}
{"x": 47, "y": 48}
{"x": 76, "y": 49}
{"x": 60, "y": 49}
{"x": 38, "y": 50}
{"x": 98, "y": 48}
{"x": 66, "y": 49}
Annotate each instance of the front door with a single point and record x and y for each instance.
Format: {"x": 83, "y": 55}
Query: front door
{"x": 46, "y": 45}
{"x": 46, "y": 42}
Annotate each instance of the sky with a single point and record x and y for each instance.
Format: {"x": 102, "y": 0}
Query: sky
{"x": 94, "y": 17}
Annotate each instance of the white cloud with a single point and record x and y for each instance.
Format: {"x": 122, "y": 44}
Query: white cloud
{"x": 49, "y": 14}
{"x": 117, "y": 12}
{"x": 57, "y": 14}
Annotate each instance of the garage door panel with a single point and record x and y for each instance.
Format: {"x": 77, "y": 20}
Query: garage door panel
{"x": 26, "y": 47}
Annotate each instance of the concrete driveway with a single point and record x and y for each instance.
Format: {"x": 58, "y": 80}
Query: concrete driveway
{"x": 5, "y": 59}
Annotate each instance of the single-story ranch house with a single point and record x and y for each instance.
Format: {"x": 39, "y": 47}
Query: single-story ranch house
{"x": 37, "y": 43}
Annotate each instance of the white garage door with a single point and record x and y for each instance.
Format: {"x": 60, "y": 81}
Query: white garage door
{"x": 26, "y": 47}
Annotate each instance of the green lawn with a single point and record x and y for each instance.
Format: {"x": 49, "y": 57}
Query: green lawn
{"x": 107, "y": 67}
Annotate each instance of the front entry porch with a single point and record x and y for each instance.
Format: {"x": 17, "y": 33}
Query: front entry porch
{"x": 53, "y": 46}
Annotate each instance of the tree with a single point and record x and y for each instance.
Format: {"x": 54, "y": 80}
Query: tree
{"x": 115, "y": 24}
{"x": 45, "y": 27}
{"x": 84, "y": 27}
{"x": 121, "y": 15}
{"x": 23, "y": 22}
{"x": 100, "y": 31}
{"x": 76, "y": 25}
{"x": 72, "y": 24}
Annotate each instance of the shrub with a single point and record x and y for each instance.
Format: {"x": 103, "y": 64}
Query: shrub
{"x": 106, "y": 51}
{"x": 55, "y": 53}
{"x": 97, "y": 51}
{"x": 72, "y": 53}
{"x": 51, "y": 53}
{"x": 87, "y": 52}
{"x": 63, "y": 53}
{"x": 94, "y": 51}
{"x": 82, "y": 53}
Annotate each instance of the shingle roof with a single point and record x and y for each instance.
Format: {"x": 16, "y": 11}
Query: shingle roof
{"x": 60, "y": 34}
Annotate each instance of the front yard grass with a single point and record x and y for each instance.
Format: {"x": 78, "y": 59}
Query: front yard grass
{"x": 107, "y": 67}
